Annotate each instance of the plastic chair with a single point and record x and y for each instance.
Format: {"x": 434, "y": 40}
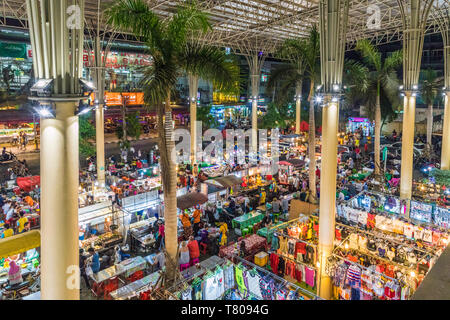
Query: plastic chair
{"x": 97, "y": 288}
{"x": 245, "y": 232}
{"x": 113, "y": 285}
{"x": 203, "y": 248}
{"x": 250, "y": 229}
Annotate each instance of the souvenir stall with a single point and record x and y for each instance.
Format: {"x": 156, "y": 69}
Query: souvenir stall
{"x": 428, "y": 191}
{"x": 287, "y": 169}
{"x": 366, "y": 125}
{"x": 253, "y": 245}
{"x": 293, "y": 251}
{"x": 92, "y": 193}
{"x": 380, "y": 255}
{"x": 141, "y": 235}
{"x": 22, "y": 249}
{"x": 230, "y": 183}
{"x": 244, "y": 224}
{"x": 96, "y": 219}
{"x": 135, "y": 289}
{"x": 107, "y": 280}
{"x": 236, "y": 279}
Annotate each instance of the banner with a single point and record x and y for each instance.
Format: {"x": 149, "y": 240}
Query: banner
{"x": 13, "y": 50}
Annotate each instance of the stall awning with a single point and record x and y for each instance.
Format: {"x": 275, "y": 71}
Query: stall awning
{"x": 19, "y": 243}
{"x": 28, "y": 184}
{"x": 229, "y": 181}
{"x": 296, "y": 162}
{"x": 190, "y": 200}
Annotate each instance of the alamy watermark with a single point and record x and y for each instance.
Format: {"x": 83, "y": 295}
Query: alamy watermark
{"x": 236, "y": 148}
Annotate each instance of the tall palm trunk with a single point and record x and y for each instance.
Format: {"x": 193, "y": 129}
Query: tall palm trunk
{"x": 312, "y": 146}
{"x": 429, "y": 127}
{"x": 298, "y": 104}
{"x": 377, "y": 130}
{"x": 168, "y": 176}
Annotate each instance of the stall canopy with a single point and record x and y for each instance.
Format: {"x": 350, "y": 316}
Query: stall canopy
{"x": 296, "y": 162}
{"x": 229, "y": 181}
{"x": 28, "y": 184}
{"x": 190, "y": 200}
{"x": 19, "y": 243}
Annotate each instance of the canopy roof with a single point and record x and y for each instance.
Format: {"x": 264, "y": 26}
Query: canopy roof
{"x": 19, "y": 243}
{"x": 228, "y": 181}
{"x": 190, "y": 200}
{"x": 246, "y": 25}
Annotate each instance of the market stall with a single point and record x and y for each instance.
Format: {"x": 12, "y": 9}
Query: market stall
{"x": 243, "y": 224}
{"x": 253, "y": 245}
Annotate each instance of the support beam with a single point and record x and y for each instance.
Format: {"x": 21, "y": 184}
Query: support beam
{"x": 333, "y": 25}
{"x": 255, "y": 62}
{"x": 298, "y": 107}
{"x": 445, "y": 158}
{"x": 59, "y": 205}
{"x": 442, "y": 16}
{"x": 193, "y": 90}
{"x": 99, "y": 73}
{"x": 59, "y": 50}
{"x": 414, "y": 17}
{"x": 409, "y": 114}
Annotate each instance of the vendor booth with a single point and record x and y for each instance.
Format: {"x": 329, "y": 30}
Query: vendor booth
{"x": 365, "y": 124}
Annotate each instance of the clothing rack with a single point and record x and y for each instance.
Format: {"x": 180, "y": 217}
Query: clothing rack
{"x": 283, "y": 281}
{"x": 293, "y": 260}
{"x": 381, "y": 236}
{"x": 369, "y": 254}
{"x": 287, "y": 223}
{"x": 298, "y": 240}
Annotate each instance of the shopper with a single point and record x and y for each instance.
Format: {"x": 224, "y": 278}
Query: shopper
{"x": 194, "y": 251}
{"x": 184, "y": 256}
{"x": 21, "y": 222}
{"x": 7, "y": 232}
{"x": 14, "y": 274}
{"x": 83, "y": 268}
{"x": 95, "y": 264}
{"x": 197, "y": 218}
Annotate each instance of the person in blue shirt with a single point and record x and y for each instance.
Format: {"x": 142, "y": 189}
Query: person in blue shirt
{"x": 95, "y": 260}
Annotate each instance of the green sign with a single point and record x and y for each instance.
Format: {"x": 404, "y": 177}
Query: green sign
{"x": 13, "y": 50}
{"x": 384, "y": 153}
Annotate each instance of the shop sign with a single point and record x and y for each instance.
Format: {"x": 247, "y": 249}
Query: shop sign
{"x": 13, "y": 50}
{"x": 118, "y": 60}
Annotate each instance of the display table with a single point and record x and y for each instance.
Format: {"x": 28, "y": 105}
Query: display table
{"x": 253, "y": 244}
{"x": 247, "y": 219}
{"x": 134, "y": 288}
{"x": 263, "y": 232}
{"x": 126, "y": 268}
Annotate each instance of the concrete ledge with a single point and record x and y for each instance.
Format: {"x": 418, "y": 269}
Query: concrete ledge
{"x": 436, "y": 285}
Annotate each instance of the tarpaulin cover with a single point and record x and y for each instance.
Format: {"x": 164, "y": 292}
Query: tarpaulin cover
{"x": 191, "y": 200}
{"x": 19, "y": 243}
{"x": 28, "y": 184}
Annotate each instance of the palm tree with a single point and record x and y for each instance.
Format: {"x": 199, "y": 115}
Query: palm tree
{"x": 430, "y": 84}
{"x": 289, "y": 75}
{"x": 311, "y": 54}
{"x": 173, "y": 54}
{"x": 383, "y": 81}
{"x": 304, "y": 57}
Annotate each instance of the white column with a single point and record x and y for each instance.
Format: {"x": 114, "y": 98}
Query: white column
{"x": 100, "y": 143}
{"x": 59, "y": 205}
{"x": 406, "y": 174}
{"x": 445, "y": 156}
{"x": 298, "y": 104}
{"x": 193, "y": 90}
{"x": 330, "y": 118}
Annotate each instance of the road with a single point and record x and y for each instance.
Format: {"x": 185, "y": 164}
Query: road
{"x": 32, "y": 157}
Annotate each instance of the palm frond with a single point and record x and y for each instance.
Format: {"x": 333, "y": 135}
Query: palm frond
{"x": 211, "y": 64}
{"x": 281, "y": 73}
{"x": 369, "y": 53}
{"x": 394, "y": 61}
{"x": 135, "y": 16}
{"x": 187, "y": 19}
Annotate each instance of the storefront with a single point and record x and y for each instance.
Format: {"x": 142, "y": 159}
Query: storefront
{"x": 366, "y": 125}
